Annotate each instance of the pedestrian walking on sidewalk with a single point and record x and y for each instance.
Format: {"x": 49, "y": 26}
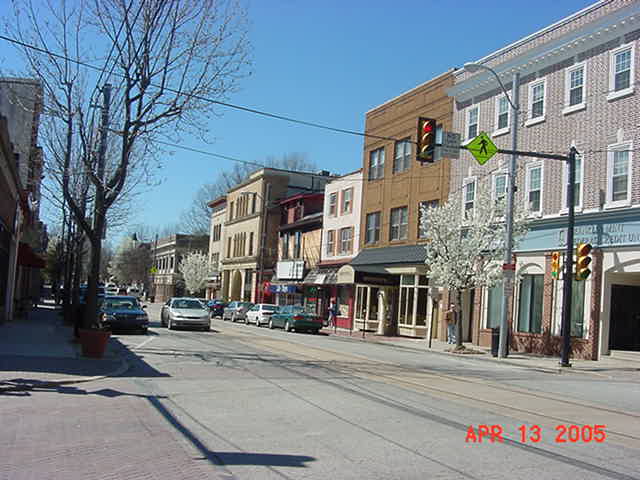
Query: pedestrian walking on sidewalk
{"x": 450, "y": 318}
{"x": 333, "y": 313}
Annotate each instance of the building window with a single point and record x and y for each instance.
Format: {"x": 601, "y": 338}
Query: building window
{"x": 376, "y": 164}
{"x": 577, "y": 191}
{"x": 618, "y": 175}
{"x": 297, "y": 245}
{"x": 373, "y": 228}
{"x": 423, "y": 209}
{"x": 502, "y": 115}
{"x": 402, "y": 160}
{"x": 229, "y": 247}
{"x": 231, "y": 211}
{"x": 494, "y": 306}
{"x": 285, "y": 246}
{"x": 250, "y": 243}
{"x": 499, "y": 186}
{"x": 468, "y": 198}
{"x": 472, "y": 122}
{"x": 534, "y": 189}
{"x": 577, "y": 308}
{"x": 399, "y": 223}
{"x": 346, "y": 240}
{"x": 536, "y": 101}
{"x": 574, "y": 88}
{"x": 333, "y": 204}
{"x": 331, "y": 242}
{"x": 347, "y": 201}
{"x": 217, "y": 231}
{"x": 621, "y": 71}
{"x": 530, "y": 306}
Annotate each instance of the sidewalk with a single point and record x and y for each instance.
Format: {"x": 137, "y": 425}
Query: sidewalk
{"x": 39, "y": 349}
{"x": 605, "y": 366}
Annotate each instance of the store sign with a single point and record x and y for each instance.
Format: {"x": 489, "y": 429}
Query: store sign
{"x": 599, "y": 233}
{"x": 282, "y": 288}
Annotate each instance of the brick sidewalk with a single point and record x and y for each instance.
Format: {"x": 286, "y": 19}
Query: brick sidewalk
{"x": 98, "y": 434}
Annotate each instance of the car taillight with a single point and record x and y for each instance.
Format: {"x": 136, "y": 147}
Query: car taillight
{"x": 298, "y": 317}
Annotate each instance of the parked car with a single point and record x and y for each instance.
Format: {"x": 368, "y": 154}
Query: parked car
{"x": 111, "y": 290}
{"x": 293, "y": 317}
{"x": 216, "y": 307}
{"x": 124, "y": 313}
{"x": 236, "y": 311}
{"x": 134, "y": 292}
{"x": 184, "y": 312}
{"x": 260, "y": 313}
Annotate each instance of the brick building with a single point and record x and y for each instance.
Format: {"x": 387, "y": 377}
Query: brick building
{"x": 578, "y": 80}
{"x": 392, "y": 294}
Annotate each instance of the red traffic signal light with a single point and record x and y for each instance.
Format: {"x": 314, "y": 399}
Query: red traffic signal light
{"x": 426, "y": 140}
{"x": 583, "y": 260}
{"x": 555, "y": 265}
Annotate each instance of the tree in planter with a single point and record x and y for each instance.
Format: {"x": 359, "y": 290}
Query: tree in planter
{"x": 194, "y": 267}
{"x": 465, "y": 248}
{"x": 169, "y": 62}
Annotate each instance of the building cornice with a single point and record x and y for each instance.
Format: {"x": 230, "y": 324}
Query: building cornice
{"x": 605, "y": 29}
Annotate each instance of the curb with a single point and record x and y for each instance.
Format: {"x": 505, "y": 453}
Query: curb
{"x": 17, "y": 387}
{"x": 555, "y": 370}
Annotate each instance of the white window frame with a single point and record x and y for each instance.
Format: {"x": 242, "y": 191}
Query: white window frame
{"x": 402, "y": 163}
{"x": 530, "y": 119}
{"x": 494, "y": 177}
{"x": 565, "y": 179}
{"x": 567, "y": 88}
{"x": 467, "y": 117}
{"x": 501, "y": 131}
{"x": 612, "y": 95}
{"x": 345, "y": 241}
{"x": 330, "y": 246}
{"x": 346, "y": 204}
{"x": 611, "y": 149}
{"x": 532, "y": 166}
{"x": 399, "y": 225}
{"x": 465, "y": 184}
{"x": 376, "y": 171}
{"x": 333, "y": 204}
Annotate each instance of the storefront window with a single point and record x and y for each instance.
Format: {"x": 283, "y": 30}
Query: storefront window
{"x": 494, "y": 306}
{"x": 577, "y": 310}
{"x": 530, "y": 308}
{"x": 421, "y": 309}
{"x": 373, "y": 303}
{"x": 409, "y": 290}
{"x": 344, "y": 293}
{"x": 407, "y": 279}
{"x": 361, "y": 302}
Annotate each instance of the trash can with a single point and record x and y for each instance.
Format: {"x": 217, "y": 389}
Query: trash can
{"x": 495, "y": 342}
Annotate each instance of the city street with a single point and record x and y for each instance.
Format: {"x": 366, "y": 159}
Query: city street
{"x": 249, "y": 403}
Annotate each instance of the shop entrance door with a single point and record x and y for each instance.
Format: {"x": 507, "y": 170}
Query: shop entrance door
{"x": 624, "y": 330}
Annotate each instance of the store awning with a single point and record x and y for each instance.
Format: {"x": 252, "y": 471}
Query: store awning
{"x": 373, "y": 274}
{"x": 28, "y": 258}
{"x": 321, "y": 276}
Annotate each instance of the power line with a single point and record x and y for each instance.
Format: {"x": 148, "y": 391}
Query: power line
{"x": 206, "y": 99}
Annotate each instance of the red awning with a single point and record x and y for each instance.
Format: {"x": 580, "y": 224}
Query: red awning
{"x": 28, "y": 258}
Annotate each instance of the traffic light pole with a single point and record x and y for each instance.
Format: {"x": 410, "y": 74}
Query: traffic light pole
{"x": 567, "y": 289}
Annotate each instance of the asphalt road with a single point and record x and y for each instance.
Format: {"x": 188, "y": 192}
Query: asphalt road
{"x": 263, "y": 404}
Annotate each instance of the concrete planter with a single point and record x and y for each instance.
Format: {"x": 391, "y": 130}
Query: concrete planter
{"x": 94, "y": 342}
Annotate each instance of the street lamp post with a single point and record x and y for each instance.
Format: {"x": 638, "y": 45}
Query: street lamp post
{"x": 263, "y": 237}
{"x": 508, "y": 274}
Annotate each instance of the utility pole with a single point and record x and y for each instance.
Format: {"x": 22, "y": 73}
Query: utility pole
{"x": 567, "y": 287}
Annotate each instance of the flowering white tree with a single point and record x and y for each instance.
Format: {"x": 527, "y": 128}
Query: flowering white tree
{"x": 194, "y": 267}
{"x": 466, "y": 245}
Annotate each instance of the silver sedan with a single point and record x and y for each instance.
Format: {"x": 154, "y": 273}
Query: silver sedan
{"x": 185, "y": 312}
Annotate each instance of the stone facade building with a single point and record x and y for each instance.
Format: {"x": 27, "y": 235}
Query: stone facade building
{"x": 216, "y": 245}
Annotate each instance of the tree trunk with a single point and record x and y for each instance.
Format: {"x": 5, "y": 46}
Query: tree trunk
{"x": 458, "y": 319}
{"x": 91, "y": 306}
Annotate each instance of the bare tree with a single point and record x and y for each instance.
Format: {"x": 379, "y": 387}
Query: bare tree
{"x": 166, "y": 61}
{"x": 196, "y": 219}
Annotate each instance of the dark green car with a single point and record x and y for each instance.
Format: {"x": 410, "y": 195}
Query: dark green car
{"x": 292, "y": 317}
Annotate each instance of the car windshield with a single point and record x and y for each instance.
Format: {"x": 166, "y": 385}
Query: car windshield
{"x": 297, "y": 310}
{"x": 187, "y": 304}
{"x": 121, "y": 304}
{"x": 269, "y": 308}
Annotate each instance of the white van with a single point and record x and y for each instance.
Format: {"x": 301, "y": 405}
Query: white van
{"x": 133, "y": 292}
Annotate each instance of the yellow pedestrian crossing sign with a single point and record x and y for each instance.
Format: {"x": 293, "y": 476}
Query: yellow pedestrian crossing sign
{"x": 482, "y": 148}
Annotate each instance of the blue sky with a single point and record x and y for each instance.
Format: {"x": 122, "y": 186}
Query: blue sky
{"x": 329, "y": 62}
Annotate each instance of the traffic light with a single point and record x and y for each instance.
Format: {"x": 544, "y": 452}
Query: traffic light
{"x": 582, "y": 261}
{"x": 426, "y": 140}
{"x": 555, "y": 265}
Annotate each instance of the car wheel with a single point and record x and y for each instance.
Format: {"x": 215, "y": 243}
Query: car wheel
{"x": 145, "y": 331}
{"x": 233, "y": 317}
{"x": 315, "y": 332}
{"x": 271, "y": 324}
{"x": 287, "y": 327}
{"x": 170, "y": 325}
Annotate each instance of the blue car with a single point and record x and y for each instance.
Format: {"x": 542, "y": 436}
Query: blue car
{"x": 124, "y": 313}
